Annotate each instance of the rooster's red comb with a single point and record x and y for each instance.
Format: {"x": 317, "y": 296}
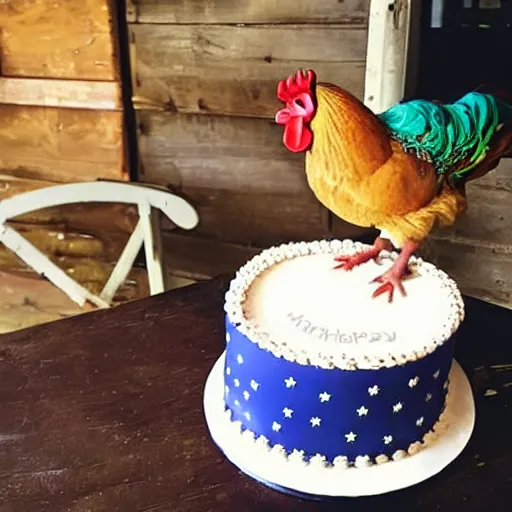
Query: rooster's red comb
{"x": 288, "y": 89}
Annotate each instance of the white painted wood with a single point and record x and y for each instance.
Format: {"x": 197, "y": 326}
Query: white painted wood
{"x": 159, "y": 260}
{"x": 148, "y": 199}
{"x": 153, "y": 262}
{"x": 124, "y": 264}
{"x": 179, "y": 211}
{"x": 386, "y": 58}
{"x": 45, "y": 267}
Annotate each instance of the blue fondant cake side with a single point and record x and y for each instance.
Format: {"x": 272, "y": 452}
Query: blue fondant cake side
{"x": 333, "y": 412}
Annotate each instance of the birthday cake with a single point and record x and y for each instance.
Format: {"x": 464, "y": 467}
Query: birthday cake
{"x": 317, "y": 372}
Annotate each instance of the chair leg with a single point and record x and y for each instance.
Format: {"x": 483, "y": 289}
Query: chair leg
{"x": 124, "y": 264}
{"x": 150, "y": 219}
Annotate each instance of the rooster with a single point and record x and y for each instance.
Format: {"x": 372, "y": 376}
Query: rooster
{"x": 402, "y": 171}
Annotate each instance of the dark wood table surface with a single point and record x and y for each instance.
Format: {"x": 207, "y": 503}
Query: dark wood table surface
{"x": 103, "y": 412}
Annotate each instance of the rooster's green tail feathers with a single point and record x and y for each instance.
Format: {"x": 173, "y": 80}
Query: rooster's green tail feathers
{"x": 454, "y": 137}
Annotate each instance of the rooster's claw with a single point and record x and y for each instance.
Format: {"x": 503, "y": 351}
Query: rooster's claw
{"x": 348, "y": 262}
{"x": 389, "y": 281}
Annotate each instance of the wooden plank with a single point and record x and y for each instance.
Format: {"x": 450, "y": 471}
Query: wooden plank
{"x": 42, "y": 38}
{"x": 246, "y": 185}
{"x": 234, "y": 70}
{"x": 61, "y": 144}
{"x": 194, "y": 258}
{"x": 132, "y": 8}
{"x": 60, "y": 93}
{"x": 481, "y": 270}
{"x": 486, "y": 219}
{"x": 252, "y": 11}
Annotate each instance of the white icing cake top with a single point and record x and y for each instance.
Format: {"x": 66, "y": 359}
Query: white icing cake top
{"x": 291, "y": 301}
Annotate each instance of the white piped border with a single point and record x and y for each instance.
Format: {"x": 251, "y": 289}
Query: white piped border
{"x": 315, "y": 477}
{"x": 341, "y": 461}
{"x": 334, "y": 357}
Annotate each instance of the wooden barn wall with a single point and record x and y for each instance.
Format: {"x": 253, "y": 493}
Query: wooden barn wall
{"x": 62, "y": 121}
{"x": 204, "y": 77}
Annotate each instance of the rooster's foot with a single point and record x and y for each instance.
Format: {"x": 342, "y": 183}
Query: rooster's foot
{"x": 389, "y": 281}
{"x": 393, "y": 278}
{"x": 349, "y": 262}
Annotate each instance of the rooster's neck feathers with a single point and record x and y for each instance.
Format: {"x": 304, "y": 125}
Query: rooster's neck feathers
{"x": 347, "y": 135}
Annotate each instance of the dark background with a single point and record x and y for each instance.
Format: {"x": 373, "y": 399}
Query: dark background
{"x": 462, "y": 48}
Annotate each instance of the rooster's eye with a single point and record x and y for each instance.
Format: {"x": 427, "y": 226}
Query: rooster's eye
{"x": 300, "y": 103}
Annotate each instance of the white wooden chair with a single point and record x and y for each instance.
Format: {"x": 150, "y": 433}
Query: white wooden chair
{"x": 147, "y": 232}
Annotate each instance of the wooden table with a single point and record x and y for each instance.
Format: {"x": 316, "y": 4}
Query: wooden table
{"x": 103, "y": 412}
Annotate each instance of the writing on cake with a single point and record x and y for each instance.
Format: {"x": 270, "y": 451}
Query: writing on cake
{"x": 338, "y": 336}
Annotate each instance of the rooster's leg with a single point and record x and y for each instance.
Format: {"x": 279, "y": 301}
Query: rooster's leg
{"x": 393, "y": 277}
{"x": 349, "y": 262}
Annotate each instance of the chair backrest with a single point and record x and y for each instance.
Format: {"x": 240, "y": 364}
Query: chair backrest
{"x": 146, "y": 232}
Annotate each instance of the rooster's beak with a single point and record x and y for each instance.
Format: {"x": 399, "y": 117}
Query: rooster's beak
{"x": 283, "y": 116}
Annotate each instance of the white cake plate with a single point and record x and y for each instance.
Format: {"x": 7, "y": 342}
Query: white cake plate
{"x": 327, "y": 483}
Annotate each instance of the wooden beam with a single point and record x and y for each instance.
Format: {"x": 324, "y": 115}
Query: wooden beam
{"x": 234, "y": 71}
{"x": 42, "y": 92}
{"x": 386, "y": 56}
{"x": 250, "y": 11}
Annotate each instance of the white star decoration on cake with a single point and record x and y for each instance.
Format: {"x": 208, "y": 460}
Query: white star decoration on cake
{"x": 287, "y": 412}
{"x": 374, "y": 390}
{"x": 414, "y": 382}
{"x": 315, "y": 422}
{"x": 290, "y": 382}
{"x": 288, "y": 417}
{"x": 350, "y": 437}
{"x": 228, "y": 337}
